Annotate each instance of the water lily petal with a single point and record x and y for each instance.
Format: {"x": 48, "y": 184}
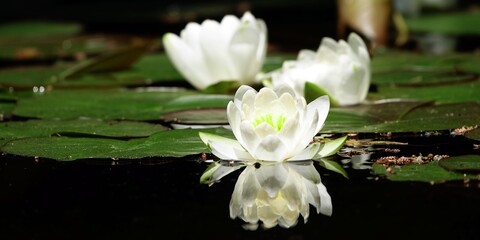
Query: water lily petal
{"x": 228, "y": 26}
{"x": 263, "y": 130}
{"x": 340, "y": 68}
{"x": 185, "y": 61}
{"x": 358, "y": 46}
{"x": 209, "y": 137}
{"x": 231, "y": 50}
{"x": 308, "y": 153}
{"x": 241, "y": 92}
{"x": 235, "y": 119}
{"x": 249, "y": 137}
{"x": 290, "y": 132}
{"x": 243, "y": 48}
{"x": 225, "y": 150}
{"x": 264, "y": 100}
{"x": 322, "y": 106}
{"x": 191, "y": 36}
{"x": 212, "y": 37}
{"x": 271, "y": 148}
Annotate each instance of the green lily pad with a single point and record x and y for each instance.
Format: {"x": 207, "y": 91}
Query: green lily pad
{"x": 61, "y": 47}
{"x": 402, "y": 117}
{"x": 204, "y": 109}
{"x": 116, "y": 104}
{"x": 464, "y": 163}
{"x": 473, "y": 134}
{"x": 149, "y": 69}
{"x": 208, "y": 116}
{"x": 339, "y": 121}
{"x": 173, "y": 143}
{"x": 99, "y": 104}
{"x": 430, "y": 172}
{"x": 118, "y": 59}
{"x": 6, "y": 109}
{"x": 227, "y": 87}
{"x": 96, "y": 128}
{"x": 39, "y": 28}
{"x": 198, "y": 101}
{"x": 451, "y": 23}
{"x": 452, "y": 93}
{"x": 28, "y": 77}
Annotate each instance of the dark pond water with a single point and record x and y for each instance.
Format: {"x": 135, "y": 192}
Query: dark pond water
{"x": 163, "y": 199}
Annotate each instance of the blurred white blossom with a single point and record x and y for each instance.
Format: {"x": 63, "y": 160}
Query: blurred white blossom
{"x": 207, "y": 53}
{"x": 341, "y": 69}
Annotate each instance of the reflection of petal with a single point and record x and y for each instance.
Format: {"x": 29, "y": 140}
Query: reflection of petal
{"x": 325, "y": 201}
{"x": 278, "y": 193}
{"x": 361, "y": 161}
{"x": 272, "y": 179}
{"x": 223, "y": 171}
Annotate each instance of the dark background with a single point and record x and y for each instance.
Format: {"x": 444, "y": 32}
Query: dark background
{"x": 289, "y": 22}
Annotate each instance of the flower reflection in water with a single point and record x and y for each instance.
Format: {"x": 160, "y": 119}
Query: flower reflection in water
{"x": 273, "y": 193}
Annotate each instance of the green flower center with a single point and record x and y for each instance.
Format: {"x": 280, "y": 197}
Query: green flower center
{"x": 276, "y": 121}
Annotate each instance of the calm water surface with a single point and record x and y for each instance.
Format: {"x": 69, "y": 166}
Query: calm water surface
{"x": 163, "y": 199}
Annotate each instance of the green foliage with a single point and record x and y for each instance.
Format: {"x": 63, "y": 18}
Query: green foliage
{"x": 430, "y": 172}
{"x": 127, "y": 101}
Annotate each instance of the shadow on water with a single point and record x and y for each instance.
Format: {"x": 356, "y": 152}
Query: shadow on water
{"x": 154, "y": 198}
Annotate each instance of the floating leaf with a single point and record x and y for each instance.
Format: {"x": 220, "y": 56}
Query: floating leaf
{"x": 173, "y": 143}
{"x": 402, "y": 117}
{"x": 149, "y": 69}
{"x": 210, "y": 116}
{"x": 452, "y": 93}
{"x": 100, "y": 104}
{"x": 222, "y": 87}
{"x": 198, "y": 101}
{"x": 452, "y": 23}
{"x": 473, "y": 134}
{"x": 430, "y": 172}
{"x": 35, "y": 29}
{"x": 110, "y": 61}
{"x": 96, "y": 128}
{"x": 463, "y": 164}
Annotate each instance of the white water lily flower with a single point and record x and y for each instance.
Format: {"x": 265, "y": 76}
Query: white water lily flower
{"x": 207, "y": 53}
{"x": 277, "y": 194}
{"x": 341, "y": 69}
{"x": 270, "y": 125}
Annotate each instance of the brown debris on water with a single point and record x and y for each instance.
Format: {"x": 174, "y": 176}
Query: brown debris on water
{"x": 399, "y": 161}
{"x": 463, "y": 130}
